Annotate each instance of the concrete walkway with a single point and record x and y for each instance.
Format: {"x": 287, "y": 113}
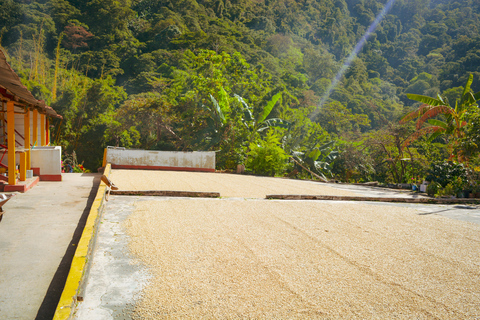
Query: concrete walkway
{"x": 38, "y": 235}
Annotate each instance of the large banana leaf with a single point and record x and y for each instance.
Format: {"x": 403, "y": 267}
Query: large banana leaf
{"x": 327, "y": 145}
{"x": 322, "y": 166}
{"x": 434, "y": 135}
{"x": 431, "y": 107}
{"x": 476, "y": 96}
{"x": 268, "y": 108}
{"x": 247, "y": 111}
{"x": 332, "y": 156}
{"x": 297, "y": 155}
{"x": 441, "y": 98}
{"x": 274, "y": 122}
{"x": 425, "y": 99}
{"x": 218, "y": 111}
{"x": 466, "y": 90}
{"x": 319, "y": 159}
{"x": 435, "y": 122}
{"x": 470, "y": 99}
{"x": 314, "y": 154}
{"x": 319, "y": 169}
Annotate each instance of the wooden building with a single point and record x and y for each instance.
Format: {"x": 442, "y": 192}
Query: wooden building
{"x": 24, "y": 124}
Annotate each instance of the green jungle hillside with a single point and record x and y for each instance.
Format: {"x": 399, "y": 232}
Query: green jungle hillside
{"x": 246, "y": 78}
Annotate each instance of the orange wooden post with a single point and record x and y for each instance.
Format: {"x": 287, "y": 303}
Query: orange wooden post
{"x": 23, "y": 166}
{"x": 12, "y": 174}
{"x": 26, "y": 121}
{"x": 35, "y": 128}
{"x": 4, "y": 129}
{"x": 42, "y": 130}
{"x": 47, "y": 132}
{"x": 104, "y": 157}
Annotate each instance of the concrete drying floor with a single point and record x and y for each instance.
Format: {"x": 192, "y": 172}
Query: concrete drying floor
{"x": 245, "y": 257}
{"x": 229, "y": 185}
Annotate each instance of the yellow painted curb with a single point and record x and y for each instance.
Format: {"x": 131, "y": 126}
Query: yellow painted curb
{"x": 68, "y": 300}
{"x": 104, "y": 163}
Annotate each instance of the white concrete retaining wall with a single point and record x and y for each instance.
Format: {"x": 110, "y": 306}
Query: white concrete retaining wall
{"x": 48, "y": 159}
{"x": 161, "y": 160}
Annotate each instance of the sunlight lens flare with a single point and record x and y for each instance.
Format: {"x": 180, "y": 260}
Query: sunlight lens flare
{"x": 353, "y": 55}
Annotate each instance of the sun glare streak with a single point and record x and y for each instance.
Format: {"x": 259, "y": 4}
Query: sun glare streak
{"x": 353, "y": 55}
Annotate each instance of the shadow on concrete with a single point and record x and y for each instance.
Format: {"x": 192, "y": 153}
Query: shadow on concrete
{"x": 54, "y": 292}
{"x": 459, "y": 207}
{"x": 465, "y": 207}
{"x": 433, "y": 212}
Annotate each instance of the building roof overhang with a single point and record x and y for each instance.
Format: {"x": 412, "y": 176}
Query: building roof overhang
{"x": 12, "y": 89}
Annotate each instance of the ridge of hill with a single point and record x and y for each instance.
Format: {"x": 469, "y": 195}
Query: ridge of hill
{"x": 162, "y": 59}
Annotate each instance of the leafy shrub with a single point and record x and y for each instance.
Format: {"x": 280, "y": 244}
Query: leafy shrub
{"x": 459, "y": 185}
{"x": 268, "y": 158}
{"x": 319, "y": 159}
{"x": 453, "y": 188}
{"x": 448, "y": 190}
{"x": 446, "y": 172}
{"x": 70, "y": 164}
{"x": 432, "y": 188}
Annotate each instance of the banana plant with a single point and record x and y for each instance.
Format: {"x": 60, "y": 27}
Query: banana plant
{"x": 319, "y": 160}
{"x": 261, "y": 123}
{"x": 216, "y": 123}
{"x": 455, "y": 120}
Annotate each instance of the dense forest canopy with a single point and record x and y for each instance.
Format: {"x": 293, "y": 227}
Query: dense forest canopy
{"x": 184, "y": 74}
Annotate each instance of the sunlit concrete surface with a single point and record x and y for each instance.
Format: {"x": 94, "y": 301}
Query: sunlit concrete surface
{"x": 247, "y": 257}
{"x": 38, "y": 235}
